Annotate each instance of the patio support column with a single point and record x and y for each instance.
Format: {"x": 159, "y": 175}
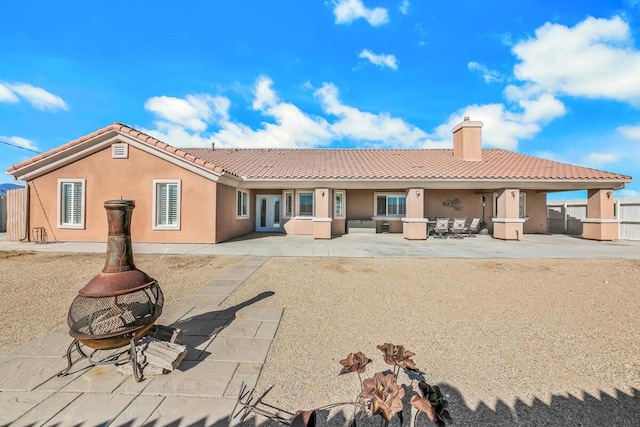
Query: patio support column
{"x": 414, "y": 226}
{"x": 600, "y": 223}
{"x": 508, "y": 225}
{"x": 322, "y": 218}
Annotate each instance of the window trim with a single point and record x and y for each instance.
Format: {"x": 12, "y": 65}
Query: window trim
{"x": 61, "y": 182}
{"x": 245, "y": 215}
{"x": 387, "y": 195}
{"x": 313, "y": 204}
{"x": 285, "y": 194}
{"x": 335, "y": 204}
{"x": 154, "y": 213}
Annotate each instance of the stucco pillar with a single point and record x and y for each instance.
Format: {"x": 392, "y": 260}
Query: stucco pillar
{"x": 322, "y": 217}
{"x": 600, "y": 224}
{"x": 414, "y": 225}
{"x": 508, "y": 225}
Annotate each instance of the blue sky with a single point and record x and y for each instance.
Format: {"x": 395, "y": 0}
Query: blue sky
{"x": 559, "y": 80}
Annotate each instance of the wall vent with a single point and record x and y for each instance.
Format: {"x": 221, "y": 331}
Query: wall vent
{"x": 119, "y": 151}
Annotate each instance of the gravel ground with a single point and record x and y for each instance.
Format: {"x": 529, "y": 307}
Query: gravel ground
{"x": 498, "y": 334}
{"x": 37, "y": 288}
{"x": 508, "y": 340}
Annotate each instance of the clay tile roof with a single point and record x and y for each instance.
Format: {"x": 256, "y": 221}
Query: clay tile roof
{"x": 356, "y": 164}
{"x": 119, "y": 127}
{"x": 434, "y": 164}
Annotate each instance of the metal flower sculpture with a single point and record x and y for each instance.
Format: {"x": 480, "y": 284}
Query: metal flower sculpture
{"x": 379, "y": 395}
{"x": 398, "y": 356}
{"x": 433, "y": 404}
{"x": 355, "y": 362}
{"x": 383, "y": 394}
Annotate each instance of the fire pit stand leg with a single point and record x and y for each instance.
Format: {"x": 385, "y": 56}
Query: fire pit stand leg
{"x": 74, "y": 345}
{"x": 111, "y": 360}
{"x": 133, "y": 358}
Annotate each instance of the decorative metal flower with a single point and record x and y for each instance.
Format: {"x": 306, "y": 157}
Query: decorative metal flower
{"x": 397, "y": 355}
{"x": 385, "y": 396}
{"x": 355, "y": 362}
{"x": 433, "y": 404}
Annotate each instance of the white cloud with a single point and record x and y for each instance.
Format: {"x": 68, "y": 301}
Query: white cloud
{"x": 20, "y": 142}
{"x": 265, "y": 96}
{"x": 404, "y": 7}
{"x": 594, "y": 59}
{"x": 194, "y": 112}
{"x": 38, "y": 97}
{"x": 627, "y": 193}
{"x": 365, "y": 126}
{"x": 487, "y": 74}
{"x": 630, "y": 132}
{"x": 601, "y": 158}
{"x": 6, "y": 95}
{"x": 381, "y": 60}
{"x": 347, "y": 11}
{"x": 184, "y": 125}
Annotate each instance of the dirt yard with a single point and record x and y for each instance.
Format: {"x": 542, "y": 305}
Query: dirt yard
{"x": 36, "y": 289}
{"x": 510, "y": 331}
{"x": 493, "y": 332}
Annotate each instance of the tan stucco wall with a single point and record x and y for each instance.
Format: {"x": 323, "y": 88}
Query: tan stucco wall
{"x": 537, "y": 213}
{"x": 130, "y": 178}
{"x": 228, "y": 225}
{"x": 360, "y": 204}
{"x": 470, "y": 204}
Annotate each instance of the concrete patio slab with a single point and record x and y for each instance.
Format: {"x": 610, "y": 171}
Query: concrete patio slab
{"x": 138, "y": 411}
{"x": 13, "y": 404}
{"x": 223, "y": 291}
{"x": 91, "y": 409}
{"x": 238, "y": 349}
{"x": 260, "y": 313}
{"x": 99, "y": 379}
{"x": 203, "y": 300}
{"x": 45, "y": 410}
{"x": 204, "y": 379}
{"x": 52, "y": 345}
{"x": 247, "y": 374}
{"x": 179, "y": 411}
{"x": 267, "y": 329}
{"x": 26, "y": 373}
{"x": 241, "y": 328}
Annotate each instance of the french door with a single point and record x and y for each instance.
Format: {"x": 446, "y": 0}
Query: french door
{"x": 268, "y": 213}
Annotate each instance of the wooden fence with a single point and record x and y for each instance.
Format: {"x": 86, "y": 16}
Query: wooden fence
{"x": 565, "y": 217}
{"x": 3, "y": 213}
{"x": 17, "y": 214}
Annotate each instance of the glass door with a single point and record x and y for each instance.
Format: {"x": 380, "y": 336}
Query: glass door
{"x": 268, "y": 215}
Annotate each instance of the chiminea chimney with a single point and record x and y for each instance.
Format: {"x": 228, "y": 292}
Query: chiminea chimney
{"x": 467, "y": 140}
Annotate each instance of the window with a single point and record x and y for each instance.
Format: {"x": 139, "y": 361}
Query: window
{"x": 71, "y": 202}
{"x": 391, "y": 205}
{"x": 288, "y": 203}
{"x": 305, "y": 204}
{"x": 166, "y": 203}
{"x": 339, "y": 204}
{"x": 522, "y": 205}
{"x": 119, "y": 151}
{"x": 242, "y": 204}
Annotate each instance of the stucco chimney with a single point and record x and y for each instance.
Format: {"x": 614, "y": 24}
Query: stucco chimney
{"x": 467, "y": 140}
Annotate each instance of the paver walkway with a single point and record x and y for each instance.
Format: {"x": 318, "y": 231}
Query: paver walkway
{"x": 225, "y": 347}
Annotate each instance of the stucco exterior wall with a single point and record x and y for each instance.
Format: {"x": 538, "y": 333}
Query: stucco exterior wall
{"x": 228, "y": 225}
{"x": 444, "y": 203}
{"x": 537, "y": 213}
{"x": 130, "y": 178}
{"x": 360, "y": 204}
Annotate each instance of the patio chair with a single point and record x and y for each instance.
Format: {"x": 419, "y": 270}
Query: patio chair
{"x": 473, "y": 228}
{"x": 458, "y": 227}
{"x": 441, "y": 228}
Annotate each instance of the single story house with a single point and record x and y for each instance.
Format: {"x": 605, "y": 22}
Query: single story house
{"x": 209, "y": 195}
